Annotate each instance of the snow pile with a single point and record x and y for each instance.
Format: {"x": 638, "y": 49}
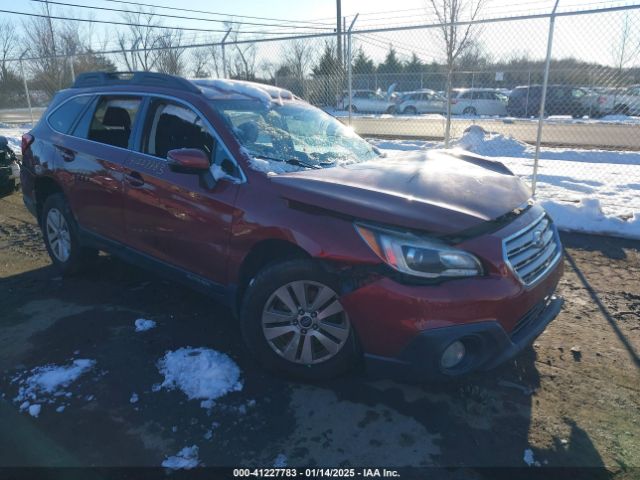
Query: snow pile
{"x": 185, "y": 459}
{"x": 587, "y": 216}
{"x": 201, "y": 374}
{"x": 142, "y": 325}
{"x": 46, "y": 384}
{"x": 476, "y": 139}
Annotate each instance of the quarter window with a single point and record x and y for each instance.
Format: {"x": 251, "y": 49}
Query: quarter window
{"x": 63, "y": 118}
{"x": 113, "y": 120}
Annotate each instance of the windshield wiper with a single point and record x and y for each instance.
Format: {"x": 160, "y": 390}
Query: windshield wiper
{"x": 290, "y": 161}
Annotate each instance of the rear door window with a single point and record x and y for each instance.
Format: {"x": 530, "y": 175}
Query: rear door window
{"x": 65, "y": 116}
{"x": 113, "y": 120}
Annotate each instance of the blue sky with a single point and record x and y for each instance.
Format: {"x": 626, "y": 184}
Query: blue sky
{"x": 587, "y": 37}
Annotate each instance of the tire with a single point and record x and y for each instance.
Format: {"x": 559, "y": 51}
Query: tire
{"x": 60, "y": 234}
{"x": 353, "y": 109}
{"x": 621, "y": 110}
{"x": 410, "y": 111}
{"x": 391, "y": 110}
{"x": 297, "y": 347}
{"x": 470, "y": 111}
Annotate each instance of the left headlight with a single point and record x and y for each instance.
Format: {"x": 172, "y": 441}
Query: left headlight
{"x": 419, "y": 256}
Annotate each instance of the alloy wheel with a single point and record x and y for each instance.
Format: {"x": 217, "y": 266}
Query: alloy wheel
{"x": 305, "y": 323}
{"x": 58, "y": 235}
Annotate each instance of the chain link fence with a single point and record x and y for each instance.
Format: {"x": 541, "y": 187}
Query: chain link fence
{"x": 391, "y": 84}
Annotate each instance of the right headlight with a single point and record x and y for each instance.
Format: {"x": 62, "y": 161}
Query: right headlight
{"x": 419, "y": 256}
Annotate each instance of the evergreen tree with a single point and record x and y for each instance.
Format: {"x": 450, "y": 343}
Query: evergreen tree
{"x": 414, "y": 65}
{"x": 391, "y": 63}
{"x": 362, "y": 63}
{"x": 328, "y": 63}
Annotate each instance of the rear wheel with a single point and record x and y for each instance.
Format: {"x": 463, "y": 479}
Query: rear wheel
{"x": 470, "y": 111}
{"x": 293, "y": 322}
{"x": 61, "y": 236}
{"x": 410, "y": 111}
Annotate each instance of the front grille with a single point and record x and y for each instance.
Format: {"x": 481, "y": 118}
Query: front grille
{"x": 532, "y": 251}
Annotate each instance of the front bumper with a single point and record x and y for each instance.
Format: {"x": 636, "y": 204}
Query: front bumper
{"x": 487, "y": 344}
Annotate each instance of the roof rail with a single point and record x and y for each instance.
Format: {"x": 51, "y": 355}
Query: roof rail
{"x": 148, "y": 79}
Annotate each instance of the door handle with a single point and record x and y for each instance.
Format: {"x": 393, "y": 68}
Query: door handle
{"x": 134, "y": 179}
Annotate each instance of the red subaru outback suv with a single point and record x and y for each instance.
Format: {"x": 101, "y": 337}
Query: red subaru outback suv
{"x": 430, "y": 264}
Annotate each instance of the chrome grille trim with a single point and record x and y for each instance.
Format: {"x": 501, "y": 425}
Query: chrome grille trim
{"x": 533, "y": 251}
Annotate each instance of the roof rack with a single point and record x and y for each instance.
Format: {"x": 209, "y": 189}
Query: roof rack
{"x": 148, "y": 79}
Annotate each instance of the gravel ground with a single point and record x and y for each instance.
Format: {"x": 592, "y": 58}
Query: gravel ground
{"x": 572, "y": 399}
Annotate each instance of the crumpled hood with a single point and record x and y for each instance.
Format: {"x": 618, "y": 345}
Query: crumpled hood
{"x": 443, "y": 192}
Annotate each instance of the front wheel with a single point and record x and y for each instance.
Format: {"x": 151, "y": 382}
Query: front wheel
{"x": 61, "y": 237}
{"x": 470, "y": 111}
{"x": 293, "y": 322}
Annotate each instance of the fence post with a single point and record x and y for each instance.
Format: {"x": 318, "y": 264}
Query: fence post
{"x": 224, "y": 58}
{"x": 543, "y": 98}
{"x": 26, "y": 87}
{"x": 73, "y": 71}
{"x": 447, "y": 126}
{"x": 526, "y": 105}
{"x": 349, "y": 59}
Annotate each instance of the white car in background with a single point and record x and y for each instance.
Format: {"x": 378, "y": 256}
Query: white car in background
{"x": 616, "y": 101}
{"x": 478, "y": 101}
{"x": 369, "y": 101}
{"x": 421, "y": 101}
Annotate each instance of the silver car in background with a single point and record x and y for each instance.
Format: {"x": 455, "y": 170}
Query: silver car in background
{"x": 478, "y": 101}
{"x": 421, "y": 101}
{"x": 369, "y": 101}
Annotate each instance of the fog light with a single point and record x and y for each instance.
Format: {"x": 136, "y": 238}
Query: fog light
{"x": 453, "y": 355}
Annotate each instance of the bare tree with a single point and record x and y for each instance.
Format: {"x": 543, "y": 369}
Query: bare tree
{"x": 170, "y": 57}
{"x": 624, "y": 51}
{"x": 50, "y": 70}
{"x": 137, "y": 42}
{"x": 200, "y": 62}
{"x": 298, "y": 59}
{"x": 8, "y": 41}
{"x": 456, "y": 38}
{"x": 242, "y": 63}
{"x": 216, "y": 59}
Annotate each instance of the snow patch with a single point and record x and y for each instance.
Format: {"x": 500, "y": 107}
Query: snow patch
{"x": 201, "y": 374}
{"x": 142, "y": 324}
{"x": 587, "y": 216}
{"x": 247, "y": 89}
{"x": 185, "y": 459}
{"x": 529, "y": 460}
{"x": 34, "y": 410}
{"x": 47, "y": 383}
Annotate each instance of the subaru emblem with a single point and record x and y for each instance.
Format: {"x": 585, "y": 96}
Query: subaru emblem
{"x": 538, "y": 241}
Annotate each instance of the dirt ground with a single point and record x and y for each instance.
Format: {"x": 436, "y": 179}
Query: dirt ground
{"x": 570, "y": 408}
